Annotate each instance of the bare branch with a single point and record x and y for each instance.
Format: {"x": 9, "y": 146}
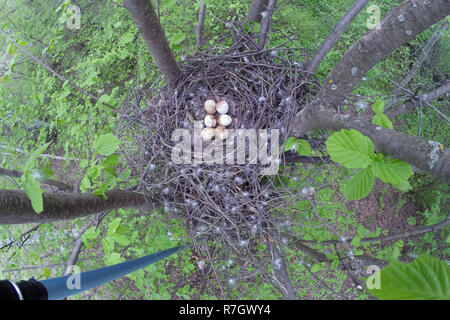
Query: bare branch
{"x": 415, "y": 101}
{"x": 62, "y": 78}
{"x": 396, "y": 236}
{"x": 401, "y": 25}
{"x": 334, "y": 35}
{"x": 78, "y": 243}
{"x": 425, "y": 53}
{"x": 199, "y": 27}
{"x": 283, "y": 280}
{"x": 17, "y": 174}
{"x": 265, "y": 24}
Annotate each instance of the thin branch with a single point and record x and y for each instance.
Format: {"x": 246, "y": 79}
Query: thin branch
{"x": 282, "y": 275}
{"x": 17, "y": 174}
{"x": 334, "y": 35}
{"x": 62, "y": 78}
{"x": 48, "y": 156}
{"x": 417, "y": 99}
{"x": 199, "y": 26}
{"x": 425, "y": 53}
{"x": 78, "y": 243}
{"x": 392, "y": 237}
{"x": 265, "y": 24}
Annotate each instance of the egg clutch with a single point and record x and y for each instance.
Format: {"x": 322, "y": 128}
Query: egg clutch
{"x": 216, "y": 121}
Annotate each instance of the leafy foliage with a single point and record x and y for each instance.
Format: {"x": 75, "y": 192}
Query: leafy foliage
{"x": 354, "y": 150}
{"x": 426, "y": 278}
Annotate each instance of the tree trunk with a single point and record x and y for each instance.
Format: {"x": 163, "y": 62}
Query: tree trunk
{"x": 334, "y": 35}
{"x": 256, "y": 8}
{"x": 401, "y": 25}
{"x": 15, "y": 206}
{"x": 147, "y": 22}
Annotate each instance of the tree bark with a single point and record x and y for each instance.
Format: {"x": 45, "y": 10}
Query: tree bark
{"x": 146, "y": 20}
{"x": 256, "y": 8}
{"x": 401, "y": 25}
{"x": 428, "y": 156}
{"x": 199, "y": 26}
{"x": 265, "y": 24}
{"x": 334, "y": 35}
{"x": 15, "y": 206}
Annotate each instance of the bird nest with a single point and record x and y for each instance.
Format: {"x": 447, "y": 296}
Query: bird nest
{"x": 231, "y": 203}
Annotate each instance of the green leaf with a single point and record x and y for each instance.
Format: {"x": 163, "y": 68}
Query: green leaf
{"x": 425, "y": 278}
{"x": 303, "y": 148}
{"x": 100, "y": 190}
{"x": 351, "y": 149}
{"x": 34, "y": 156}
{"x": 290, "y": 144}
{"x": 316, "y": 267}
{"x": 47, "y": 273}
{"x": 392, "y": 171}
{"x": 178, "y": 38}
{"x": 111, "y": 161}
{"x": 112, "y": 226}
{"x": 107, "y": 144}
{"x": 123, "y": 240}
{"x": 34, "y": 192}
{"x": 383, "y": 121}
{"x": 93, "y": 172}
{"x": 42, "y": 174}
{"x": 378, "y": 106}
{"x": 403, "y": 186}
{"x": 356, "y": 241}
{"x": 360, "y": 185}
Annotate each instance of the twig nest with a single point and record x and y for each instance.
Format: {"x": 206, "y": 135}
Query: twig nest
{"x": 221, "y": 132}
{"x": 210, "y": 121}
{"x": 224, "y": 120}
{"x": 207, "y": 134}
{"x": 210, "y": 106}
{"x": 222, "y": 107}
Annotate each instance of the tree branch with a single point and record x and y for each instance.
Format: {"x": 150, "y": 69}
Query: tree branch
{"x": 265, "y": 24}
{"x": 401, "y": 25}
{"x": 281, "y": 271}
{"x": 15, "y": 206}
{"x": 414, "y": 102}
{"x": 428, "y": 156}
{"x": 425, "y": 53}
{"x": 147, "y": 22}
{"x": 62, "y": 78}
{"x": 334, "y": 35}
{"x": 392, "y": 237}
{"x": 199, "y": 26}
{"x": 255, "y": 10}
{"x": 17, "y": 174}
